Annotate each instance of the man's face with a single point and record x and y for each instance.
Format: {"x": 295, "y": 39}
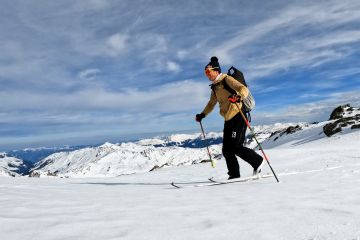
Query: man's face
{"x": 211, "y": 73}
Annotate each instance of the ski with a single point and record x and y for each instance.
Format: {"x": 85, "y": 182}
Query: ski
{"x": 214, "y": 182}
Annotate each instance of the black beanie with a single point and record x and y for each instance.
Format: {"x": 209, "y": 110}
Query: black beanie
{"x": 214, "y": 63}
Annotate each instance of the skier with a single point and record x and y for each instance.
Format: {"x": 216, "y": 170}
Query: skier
{"x": 234, "y": 126}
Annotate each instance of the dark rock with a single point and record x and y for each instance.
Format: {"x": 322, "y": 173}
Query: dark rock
{"x": 338, "y": 112}
{"x": 341, "y": 121}
{"x": 158, "y": 167}
{"x": 288, "y": 130}
{"x": 331, "y": 129}
{"x": 154, "y": 168}
{"x": 34, "y": 174}
{"x": 293, "y": 129}
{"x": 205, "y": 161}
{"x": 335, "y": 127}
{"x": 53, "y": 174}
{"x": 274, "y": 133}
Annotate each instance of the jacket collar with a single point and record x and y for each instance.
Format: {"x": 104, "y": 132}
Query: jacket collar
{"x": 218, "y": 79}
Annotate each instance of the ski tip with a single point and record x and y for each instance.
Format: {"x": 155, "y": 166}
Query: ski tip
{"x": 174, "y": 185}
{"x": 211, "y": 179}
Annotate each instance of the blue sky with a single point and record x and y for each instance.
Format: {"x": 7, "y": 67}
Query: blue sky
{"x": 85, "y": 72}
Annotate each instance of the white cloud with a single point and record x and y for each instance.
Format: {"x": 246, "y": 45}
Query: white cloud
{"x": 150, "y": 44}
{"x": 89, "y": 74}
{"x": 172, "y": 66}
{"x": 331, "y": 39}
{"x": 310, "y": 95}
{"x": 117, "y": 44}
{"x": 279, "y": 42}
{"x": 341, "y": 73}
{"x": 182, "y": 54}
{"x": 173, "y": 97}
{"x": 50, "y": 47}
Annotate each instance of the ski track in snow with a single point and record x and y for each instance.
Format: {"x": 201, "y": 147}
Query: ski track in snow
{"x": 318, "y": 198}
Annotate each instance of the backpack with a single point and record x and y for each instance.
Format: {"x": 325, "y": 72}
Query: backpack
{"x": 249, "y": 101}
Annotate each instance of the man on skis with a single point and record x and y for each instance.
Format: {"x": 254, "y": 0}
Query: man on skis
{"x": 234, "y": 126}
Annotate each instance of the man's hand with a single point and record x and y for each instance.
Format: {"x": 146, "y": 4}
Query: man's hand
{"x": 199, "y": 117}
{"x": 234, "y": 98}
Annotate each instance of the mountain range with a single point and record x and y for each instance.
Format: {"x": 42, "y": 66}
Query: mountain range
{"x": 111, "y": 160}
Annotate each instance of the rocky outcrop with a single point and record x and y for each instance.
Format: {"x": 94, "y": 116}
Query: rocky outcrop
{"x": 288, "y": 130}
{"x": 34, "y": 174}
{"x": 343, "y": 117}
{"x": 338, "y": 112}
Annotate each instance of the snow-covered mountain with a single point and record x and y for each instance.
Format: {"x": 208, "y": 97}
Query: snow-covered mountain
{"x": 34, "y": 155}
{"x": 183, "y": 140}
{"x": 117, "y": 159}
{"x": 185, "y": 149}
{"x": 13, "y": 167}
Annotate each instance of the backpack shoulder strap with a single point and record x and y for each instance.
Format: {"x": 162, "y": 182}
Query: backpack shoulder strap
{"x": 227, "y": 87}
{"x": 212, "y": 88}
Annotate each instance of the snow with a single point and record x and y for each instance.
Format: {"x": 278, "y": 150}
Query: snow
{"x": 172, "y": 138}
{"x": 307, "y": 133}
{"x": 317, "y": 198}
{"x": 111, "y": 160}
{"x": 350, "y": 112}
{"x": 9, "y": 165}
{"x": 177, "y": 138}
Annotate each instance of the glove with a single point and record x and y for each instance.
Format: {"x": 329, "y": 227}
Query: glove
{"x": 234, "y": 98}
{"x": 199, "y": 117}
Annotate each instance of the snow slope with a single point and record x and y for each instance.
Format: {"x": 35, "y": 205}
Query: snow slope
{"x": 317, "y": 198}
{"x": 10, "y": 166}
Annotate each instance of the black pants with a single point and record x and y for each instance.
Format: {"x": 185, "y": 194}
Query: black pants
{"x": 233, "y": 141}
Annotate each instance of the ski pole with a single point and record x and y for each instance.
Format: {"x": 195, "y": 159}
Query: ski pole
{"x": 207, "y": 146}
{"x": 253, "y": 133}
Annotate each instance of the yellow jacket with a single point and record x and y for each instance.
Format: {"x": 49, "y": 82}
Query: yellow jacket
{"x": 227, "y": 110}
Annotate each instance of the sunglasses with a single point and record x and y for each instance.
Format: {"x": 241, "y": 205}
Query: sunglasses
{"x": 208, "y": 70}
